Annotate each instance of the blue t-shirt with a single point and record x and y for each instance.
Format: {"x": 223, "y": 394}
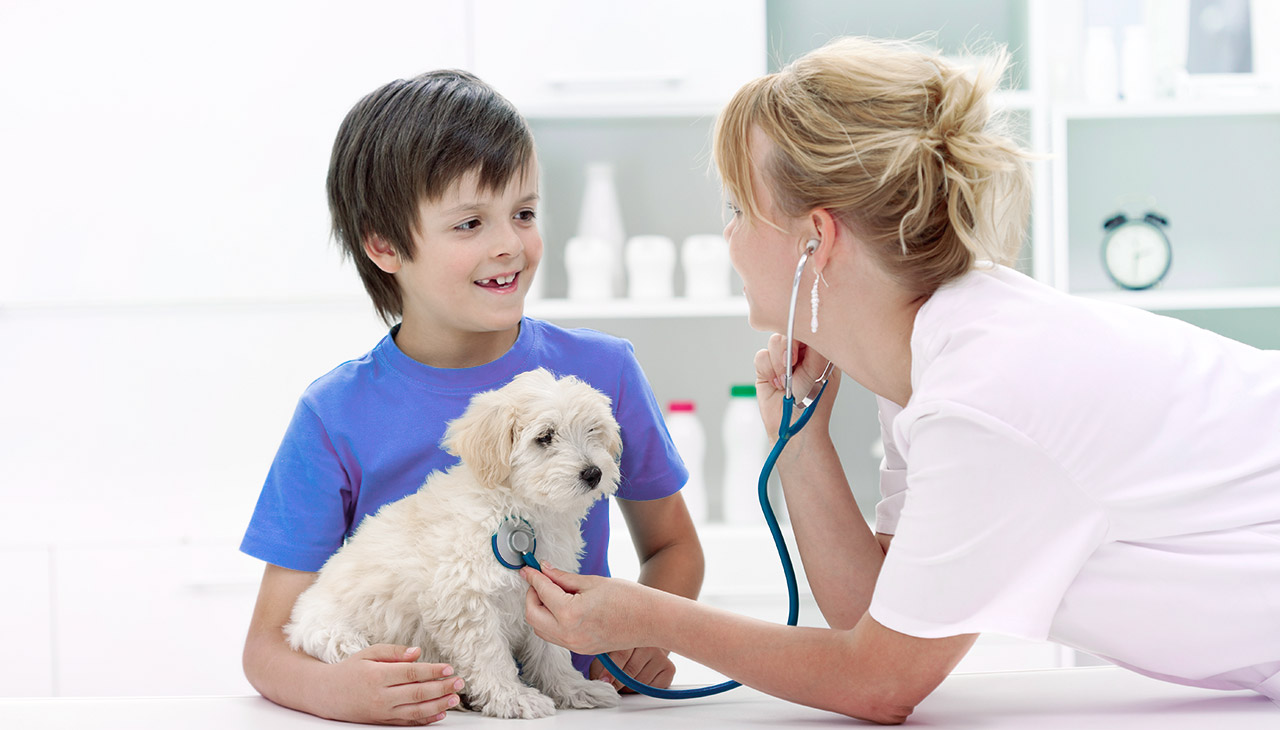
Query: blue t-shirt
{"x": 368, "y": 433}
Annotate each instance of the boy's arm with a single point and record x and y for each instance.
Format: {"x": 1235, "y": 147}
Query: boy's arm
{"x": 671, "y": 560}
{"x": 382, "y": 684}
{"x": 667, "y": 544}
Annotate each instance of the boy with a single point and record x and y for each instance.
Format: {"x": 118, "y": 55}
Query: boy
{"x": 433, "y": 192}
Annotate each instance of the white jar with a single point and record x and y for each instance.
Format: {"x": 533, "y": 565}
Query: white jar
{"x": 589, "y": 263}
{"x": 705, "y": 260}
{"x": 651, "y": 266}
{"x": 600, "y": 218}
{"x": 745, "y": 448}
{"x": 691, "y": 441}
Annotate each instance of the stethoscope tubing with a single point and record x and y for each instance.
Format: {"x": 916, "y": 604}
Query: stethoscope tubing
{"x": 786, "y": 429}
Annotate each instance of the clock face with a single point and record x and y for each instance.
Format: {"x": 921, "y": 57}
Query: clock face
{"x": 1137, "y": 255}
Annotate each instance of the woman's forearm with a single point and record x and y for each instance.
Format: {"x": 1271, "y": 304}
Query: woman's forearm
{"x": 823, "y": 668}
{"x": 841, "y": 556}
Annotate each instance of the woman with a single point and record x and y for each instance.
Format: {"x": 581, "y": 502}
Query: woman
{"x": 1055, "y": 468}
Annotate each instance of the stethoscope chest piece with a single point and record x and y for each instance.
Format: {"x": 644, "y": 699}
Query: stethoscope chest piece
{"x": 514, "y": 538}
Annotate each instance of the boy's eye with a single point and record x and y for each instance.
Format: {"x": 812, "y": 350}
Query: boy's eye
{"x": 545, "y": 439}
{"x": 470, "y": 225}
{"x": 527, "y": 215}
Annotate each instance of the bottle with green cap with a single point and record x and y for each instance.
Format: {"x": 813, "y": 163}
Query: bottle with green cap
{"x": 745, "y": 446}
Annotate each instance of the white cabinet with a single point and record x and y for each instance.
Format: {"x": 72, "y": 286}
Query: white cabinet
{"x": 153, "y": 620}
{"x": 26, "y": 618}
{"x": 587, "y": 58}
{"x": 177, "y": 151}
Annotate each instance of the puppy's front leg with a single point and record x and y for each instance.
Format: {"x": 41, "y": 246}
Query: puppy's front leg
{"x": 550, "y": 668}
{"x": 476, "y": 644}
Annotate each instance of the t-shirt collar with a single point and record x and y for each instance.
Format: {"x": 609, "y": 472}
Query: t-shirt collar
{"x": 481, "y": 377}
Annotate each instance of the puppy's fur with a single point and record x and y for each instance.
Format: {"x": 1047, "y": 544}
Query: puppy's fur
{"x": 421, "y": 572}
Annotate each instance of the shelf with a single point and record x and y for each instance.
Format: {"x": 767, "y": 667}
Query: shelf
{"x": 624, "y": 110}
{"x": 1168, "y": 300}
{"x": 1171, "y": 108}
{"x": 635, "y": 309}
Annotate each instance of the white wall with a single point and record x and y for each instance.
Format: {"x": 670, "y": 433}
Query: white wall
{"x": 167, "y": 288}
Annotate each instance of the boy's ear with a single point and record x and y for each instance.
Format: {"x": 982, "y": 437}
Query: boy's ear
{"x": 484, "y": 436}
{"x": 382, "y": 253}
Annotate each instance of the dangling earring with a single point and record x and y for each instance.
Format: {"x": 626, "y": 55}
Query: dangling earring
{"x": 813, "y": 304}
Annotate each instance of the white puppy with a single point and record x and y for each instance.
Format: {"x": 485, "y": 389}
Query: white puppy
{"x": 422, "y": 571}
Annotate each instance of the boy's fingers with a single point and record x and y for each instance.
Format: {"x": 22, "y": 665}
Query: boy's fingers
{"x": 417, "y": 672}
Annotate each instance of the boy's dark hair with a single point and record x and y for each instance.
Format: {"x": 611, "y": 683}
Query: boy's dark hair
{"x": 411, "y": 140}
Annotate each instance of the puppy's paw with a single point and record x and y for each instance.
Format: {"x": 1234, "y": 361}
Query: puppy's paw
{"x": 584, "y": 694}
{"x": 525, "y": 703}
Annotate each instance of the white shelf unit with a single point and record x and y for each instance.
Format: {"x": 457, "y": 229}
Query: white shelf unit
{"x": 1158, "y": 300}
{"x": 1156, "y": 113}
{"x": 636, "y": 309}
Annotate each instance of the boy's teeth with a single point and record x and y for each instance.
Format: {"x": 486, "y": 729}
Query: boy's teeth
{"x": 502, "y": 280}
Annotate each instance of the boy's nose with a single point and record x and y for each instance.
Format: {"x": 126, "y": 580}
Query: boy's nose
{"x": 509, "y": 245}
{"x": 591, "y": 475}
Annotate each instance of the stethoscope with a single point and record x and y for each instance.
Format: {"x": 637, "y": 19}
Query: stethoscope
{"x": 515, "y": 541}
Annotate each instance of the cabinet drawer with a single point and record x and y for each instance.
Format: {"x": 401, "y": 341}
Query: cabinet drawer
{"x": 153, "y": 621}
{"x": 28, "y": 637}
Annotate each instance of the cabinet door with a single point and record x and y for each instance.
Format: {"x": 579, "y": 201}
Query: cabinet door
{"x": 27, "y": 669}
{"x": 588, "y": 57}
{"x": 153, "y": 621}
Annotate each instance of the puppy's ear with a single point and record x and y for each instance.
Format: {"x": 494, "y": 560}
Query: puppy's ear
{"x": 614, "y": 440}
{"x": 483, "y": 437}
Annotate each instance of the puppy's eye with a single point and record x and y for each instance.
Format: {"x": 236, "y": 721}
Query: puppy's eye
{"x": 545, "y": 439}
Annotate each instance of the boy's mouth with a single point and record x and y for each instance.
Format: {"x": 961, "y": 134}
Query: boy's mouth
{"x": 506, "y": 282}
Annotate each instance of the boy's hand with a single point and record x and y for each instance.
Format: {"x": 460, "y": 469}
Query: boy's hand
{"x": 646, "y": 664}
{"x": 385, "y": 684}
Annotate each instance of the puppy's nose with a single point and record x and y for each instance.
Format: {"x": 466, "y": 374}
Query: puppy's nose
{"x": 591, "y": 475}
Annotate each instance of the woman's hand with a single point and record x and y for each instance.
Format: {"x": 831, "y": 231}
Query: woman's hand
{"x": 771, "y": 373}
{"x": 584, "y": 613}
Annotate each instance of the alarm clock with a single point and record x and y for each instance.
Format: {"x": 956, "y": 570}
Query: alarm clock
{"x": 1136, "y": 253}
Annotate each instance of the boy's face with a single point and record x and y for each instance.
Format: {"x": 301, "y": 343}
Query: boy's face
{"x": 475, "y": 255}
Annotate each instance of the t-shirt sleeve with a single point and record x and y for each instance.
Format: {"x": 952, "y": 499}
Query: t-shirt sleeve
{"x": 893, "y": 471}
{"x": 651, "y": 466}
{"x": 302, "y": 512}
{"x": 991, "y": 535}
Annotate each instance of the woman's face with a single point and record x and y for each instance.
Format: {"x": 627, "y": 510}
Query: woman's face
{"x": 763, "y": 256}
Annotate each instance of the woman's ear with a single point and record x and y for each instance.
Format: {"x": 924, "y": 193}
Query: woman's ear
{"x": 825, "y": 229}
{"x": 382, "y": 253}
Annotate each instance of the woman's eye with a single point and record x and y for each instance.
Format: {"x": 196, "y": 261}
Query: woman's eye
{"x": 734, "y": 210}
{"x": 470, "y": 225}
{"x": 545, "y": 439}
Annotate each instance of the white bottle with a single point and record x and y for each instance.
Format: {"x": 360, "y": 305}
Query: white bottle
{"x": 601, "y": 218}
{"x": 691, "y": 441}
{"x": 589, "y": 264}
{"x": 745, "y": 448}
{"x": 1101, "y": 69}
{"x": 1136, "y": 83}
{"x": 651, "y": 267}
{"x": 705, "y": 260}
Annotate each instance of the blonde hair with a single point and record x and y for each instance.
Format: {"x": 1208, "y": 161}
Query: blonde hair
{"x": 895, "y": 142}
